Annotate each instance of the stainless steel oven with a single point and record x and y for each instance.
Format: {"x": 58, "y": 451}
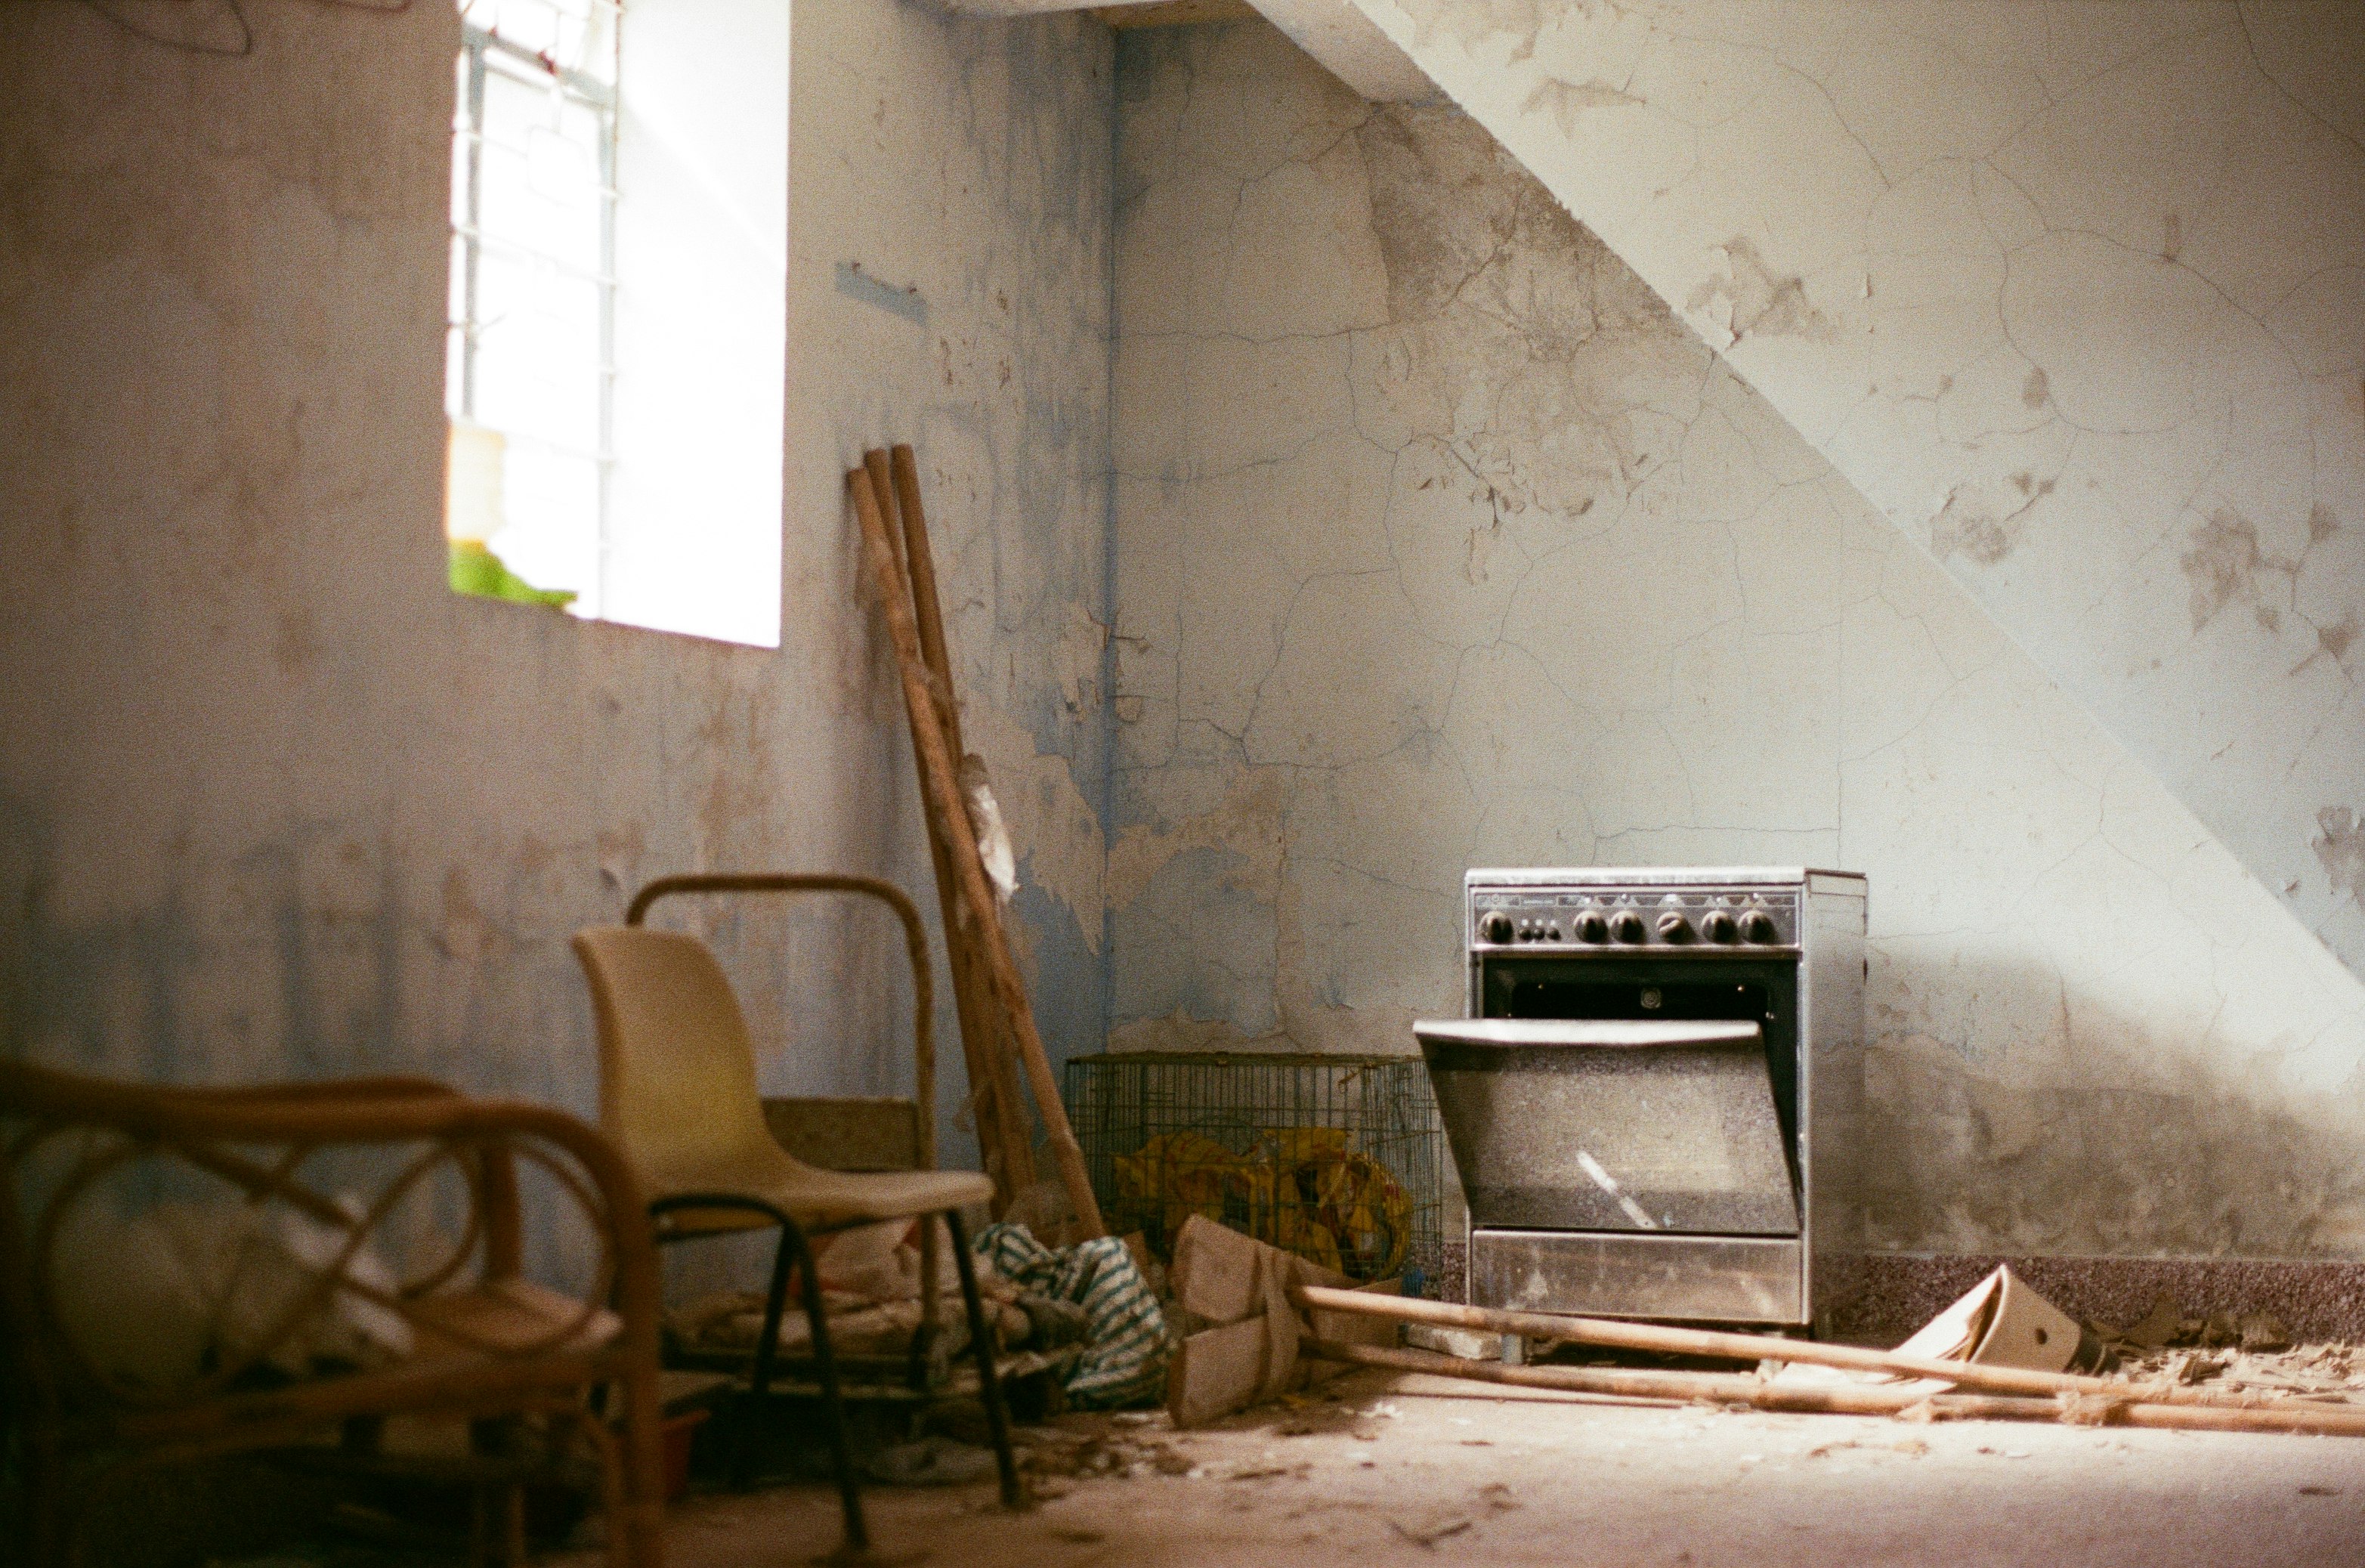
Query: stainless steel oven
{"x": 1653, "y": 1100}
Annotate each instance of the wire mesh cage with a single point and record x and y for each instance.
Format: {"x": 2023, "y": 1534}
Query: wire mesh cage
{"x": 1337, "y": 1159}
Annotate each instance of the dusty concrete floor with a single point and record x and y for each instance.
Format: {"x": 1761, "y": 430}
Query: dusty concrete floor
{"x": 1413, "y": 1469}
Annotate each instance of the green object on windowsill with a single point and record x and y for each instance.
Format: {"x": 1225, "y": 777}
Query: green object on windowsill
{"x": 476, "y": 569}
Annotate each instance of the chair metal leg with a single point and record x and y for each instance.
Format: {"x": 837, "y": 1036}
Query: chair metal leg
{"x": 841, "y": 1453}
{"x": 989, "y": 1386}
{"x": 767, "y": 1349}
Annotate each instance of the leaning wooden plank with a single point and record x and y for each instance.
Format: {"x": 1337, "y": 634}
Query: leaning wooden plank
{"x": 926, "y": 607}
{"x": 1732, "y": 1388}
{"x": 897, "y": 472}
{"x": 941, "y": 796}
{"x": 900, "y": 470}
{"x": 1220, "y": 1275}
{"x": 995, "y": 1113}
{"x": 895, "y": 480}
{"x": 1768, "y": 1347}
{"x": 976, "y": 1054}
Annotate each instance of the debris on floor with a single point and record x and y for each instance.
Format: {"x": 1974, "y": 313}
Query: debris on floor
{"x": 2165, "y": 1325}
{"x": 1467, "y": 1343}
{"x": 1092, "y": 1445}
{"x": 1241, "y": 1324}
{"x": 2233, "y": 1350}
{"x": 1910, "y": 1386}
{"x": 931, "y": 1462}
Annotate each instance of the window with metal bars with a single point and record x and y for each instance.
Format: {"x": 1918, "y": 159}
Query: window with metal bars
{"x": 531, "y": 351}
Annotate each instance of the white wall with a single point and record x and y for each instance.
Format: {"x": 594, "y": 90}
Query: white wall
{"x": 1443, "y": 542}
{"x": 2073, "y": 293}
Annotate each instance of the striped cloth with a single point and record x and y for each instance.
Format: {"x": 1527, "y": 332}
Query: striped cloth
{"x": 1125, "y": 1346}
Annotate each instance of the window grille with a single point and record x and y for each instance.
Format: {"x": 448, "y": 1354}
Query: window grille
{"x": 531, "y": 352}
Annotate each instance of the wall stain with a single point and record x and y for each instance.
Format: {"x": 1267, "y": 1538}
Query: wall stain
{"x": 2117, "y": 1161}
{"x": 2342, "y": 851}
{"x": 1762, "y": 303}
{"x": 2225, "y": 565}
{"x": 1969, "y": 524}
{"x": 1567, "y": 101}
{"x": 2037, "y": 390}
{"x": 2333, "y": 642}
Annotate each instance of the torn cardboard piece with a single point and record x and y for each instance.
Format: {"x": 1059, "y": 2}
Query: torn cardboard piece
{"x": 1242, "y": 1330}
{"x": 2002, "y": 1322}
{"x": 1999, "y": 1322}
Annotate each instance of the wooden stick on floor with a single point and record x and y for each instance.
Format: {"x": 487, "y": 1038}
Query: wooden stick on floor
{"x": 1665, "y": 1340}
{"x": 1000, "y": 1120}
{"x": 940, "y": 792}
{"x": 2128, "y": 1409}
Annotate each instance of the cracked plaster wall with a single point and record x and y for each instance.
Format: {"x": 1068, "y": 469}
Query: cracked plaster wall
{"x": 2074, "y": 293}
{"x": 272, "y": 801}
{"x": 1440, "y": 541}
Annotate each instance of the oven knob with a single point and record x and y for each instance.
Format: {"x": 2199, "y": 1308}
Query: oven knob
{"x": 1591, "y": 928}
{"x": 1495, "y": 927}
{"x": 1627, "y": 926}
{"x": 1675, "y": 927}
{"x": 1717, "y": 926}
{"x": 1759, "y": 926}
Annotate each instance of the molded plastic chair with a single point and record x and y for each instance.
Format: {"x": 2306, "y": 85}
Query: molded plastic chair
{"x": 678, "y": 1094}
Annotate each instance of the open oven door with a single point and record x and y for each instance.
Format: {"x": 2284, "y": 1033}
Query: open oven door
{"x": 1619, "y": 1160}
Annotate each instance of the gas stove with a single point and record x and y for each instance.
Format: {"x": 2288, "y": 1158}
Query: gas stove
{"x": 1653, "y": 1100}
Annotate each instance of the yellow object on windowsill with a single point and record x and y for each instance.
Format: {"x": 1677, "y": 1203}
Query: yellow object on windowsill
{"x": 474, "y": 458}
{"x": 476, "y": 569}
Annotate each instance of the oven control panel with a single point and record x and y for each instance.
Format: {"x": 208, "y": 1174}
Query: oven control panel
{"x": 1612, "y": 918}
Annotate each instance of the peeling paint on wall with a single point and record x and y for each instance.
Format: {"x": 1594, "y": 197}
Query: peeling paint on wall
{"x": 1751, "y": 299}
{"x": 1518, "y": 571}
{"x": 2342, "y": 851}
{"x": 1565, "y": 101}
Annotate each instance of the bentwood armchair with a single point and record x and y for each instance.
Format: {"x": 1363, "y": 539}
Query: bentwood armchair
{"x": 481, "y": 1341}
{"x": 678, "y": 1093}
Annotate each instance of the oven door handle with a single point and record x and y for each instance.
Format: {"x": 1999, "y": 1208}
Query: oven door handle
{"x": 1587, "y": 1033}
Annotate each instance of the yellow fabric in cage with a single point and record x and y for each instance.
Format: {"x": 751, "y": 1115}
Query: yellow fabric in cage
{"x": 1178, "y": 1175}
{"x": 1341, "y": 1209}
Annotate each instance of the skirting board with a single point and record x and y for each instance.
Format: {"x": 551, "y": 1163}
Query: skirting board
{"x": 2316, "y": 1300}
{"x": 1901, "y": 1291}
